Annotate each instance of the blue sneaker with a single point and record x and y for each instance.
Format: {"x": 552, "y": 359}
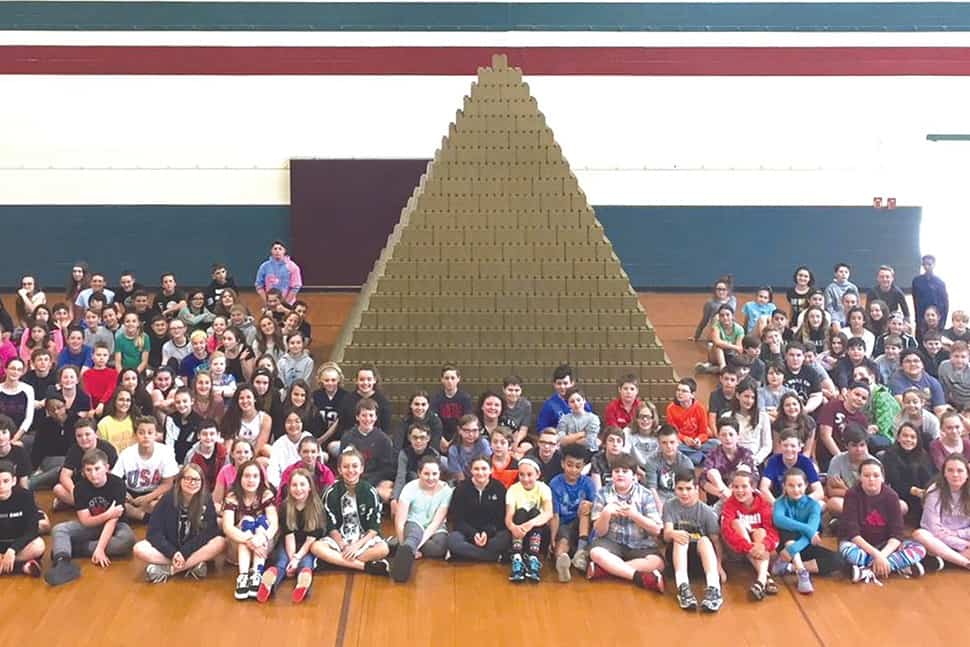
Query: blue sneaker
{"x": 518, "y": 570}
{"x": 533, "y": 568}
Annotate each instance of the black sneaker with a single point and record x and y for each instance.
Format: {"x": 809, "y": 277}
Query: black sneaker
{"x": 255, "y": 579}
{"x": 933, "y": 563}
{"x": 403, "y": 562}
{"x": 377, "y": 567}
{"x": 712, "y": 600}
{"x": 242, "y": 586}
{"x": 685, "y": 598}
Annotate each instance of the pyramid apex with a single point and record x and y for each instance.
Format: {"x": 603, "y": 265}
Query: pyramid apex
{"x": 500, "y": 61}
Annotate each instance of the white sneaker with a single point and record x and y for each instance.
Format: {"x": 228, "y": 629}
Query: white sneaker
{"x": 157, "y": 574}
{"x": 563, "y": 566}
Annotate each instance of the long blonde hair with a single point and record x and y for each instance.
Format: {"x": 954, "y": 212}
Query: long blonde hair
{"x": 312, "y": 510}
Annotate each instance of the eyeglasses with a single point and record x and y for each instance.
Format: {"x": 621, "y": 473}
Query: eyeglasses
{"x": 645, "y": 416}
{"x": 192, "y": 479}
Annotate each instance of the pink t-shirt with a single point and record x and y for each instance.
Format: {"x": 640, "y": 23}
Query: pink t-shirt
{"x": 227, "y": 476}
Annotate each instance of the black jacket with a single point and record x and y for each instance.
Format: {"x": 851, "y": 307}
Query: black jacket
{"x": 163, "y": 527}
{"x": 472, "y": 511}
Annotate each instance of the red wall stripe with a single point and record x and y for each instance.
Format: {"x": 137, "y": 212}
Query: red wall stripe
{"x": 628, "y": 61}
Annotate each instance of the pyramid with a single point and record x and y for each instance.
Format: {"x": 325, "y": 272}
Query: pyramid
{"x": 499, "y": 266}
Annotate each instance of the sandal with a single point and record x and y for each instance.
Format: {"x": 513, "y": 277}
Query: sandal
{"x": 771, "y": 588}
{"x": 757, "y": 591}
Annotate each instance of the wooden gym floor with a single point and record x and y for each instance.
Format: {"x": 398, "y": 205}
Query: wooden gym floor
{"x": 460, "y": 604}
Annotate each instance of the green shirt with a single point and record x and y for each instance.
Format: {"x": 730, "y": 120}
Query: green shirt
{"x": 130, "y": 353}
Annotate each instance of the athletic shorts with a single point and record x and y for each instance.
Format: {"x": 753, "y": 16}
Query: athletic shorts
{"x": 374, "y": 541}
{"x": 624, "y": 552}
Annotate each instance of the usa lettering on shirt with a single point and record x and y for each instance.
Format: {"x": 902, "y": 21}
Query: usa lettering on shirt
{"x": 142, "y": 478}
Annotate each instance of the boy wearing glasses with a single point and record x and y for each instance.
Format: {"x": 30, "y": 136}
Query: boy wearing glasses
{"x": 547, "y": 455}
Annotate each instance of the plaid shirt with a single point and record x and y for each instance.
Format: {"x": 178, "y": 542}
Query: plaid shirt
{"x": 624, "y": 530}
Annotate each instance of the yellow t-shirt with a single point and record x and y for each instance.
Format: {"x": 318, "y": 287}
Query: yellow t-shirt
{"x": 119, "y": 433}
{"x": 532, "y": 499}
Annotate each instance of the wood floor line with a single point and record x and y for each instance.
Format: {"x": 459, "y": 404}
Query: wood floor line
{"x": 797, "y": 598}
{"x": 344, "y": 610}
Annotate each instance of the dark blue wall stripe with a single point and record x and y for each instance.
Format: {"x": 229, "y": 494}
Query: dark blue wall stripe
{"x": 487, "y": 16}
{"x": 149, "y": 239}
{"x": 660, "y": 247}
{"x": 676, "y": 247}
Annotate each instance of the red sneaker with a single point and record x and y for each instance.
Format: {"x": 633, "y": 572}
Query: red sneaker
{"x": 593, "y": 572}
{"x": 301, "y": 591}
{"x": 650, "y": 580}
{"x": 267, "y": 584}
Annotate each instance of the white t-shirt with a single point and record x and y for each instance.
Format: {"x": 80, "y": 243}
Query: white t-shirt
{"x": 284, "y": 454}
{"x": 142, "y": 475}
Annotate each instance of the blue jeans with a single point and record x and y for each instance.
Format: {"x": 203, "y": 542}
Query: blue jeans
{"x": 698, "y": 454}
{"x": 282, "y": 559}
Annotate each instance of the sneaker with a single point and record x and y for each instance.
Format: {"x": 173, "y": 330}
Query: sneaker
{"x": 403, "y": 562}
{"x": 704, "y": 368}
{"x": 300, "y": 593}
{"x": 650, "y": 580}
{"x": 563, "y": 568}
{"x": 62, "y": 571}
{"x": 31, "y": 568}
{"x": 242, "y": 586}
{"x": 594, "y": 572}
{"x": 580, "y": 560}
{"x": 518, "y": 570}
{"x": 377, "y": 567}
{"x": 255, "y": 579}
{"x": 267, "y": 583}
{"x": 157, "y": 574}
{"x": 198, "y": 572}
{"x": 533, "y": 569}
{"x": 781, "y": 567}
{"x": 805, "y": 582}
{"x": 914, "y": 571}
{"x": 712, "y": 600}
{"x": 932, "y": 564}
{"x": 685, "y": 598}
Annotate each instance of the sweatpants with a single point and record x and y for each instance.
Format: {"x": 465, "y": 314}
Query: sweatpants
{"x": 72, "y": 539}
{"x": 828, "y": 561}
{"x": 494, "y": 548}
{"x": 46, "y": 474}
{"x": 908, "y": 553}
{"x": 436, "y": 546}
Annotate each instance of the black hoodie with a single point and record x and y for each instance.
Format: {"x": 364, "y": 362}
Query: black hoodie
{"x": 472, "y": 511}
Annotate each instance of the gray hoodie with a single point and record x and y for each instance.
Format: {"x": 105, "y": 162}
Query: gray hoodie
{"x": 293, "y": 368}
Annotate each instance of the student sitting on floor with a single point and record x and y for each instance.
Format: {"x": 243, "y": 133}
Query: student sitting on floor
{"x": 601, "y": 463}
{"x": 748, "y": 530}
{"x": 843, "y": 471}
{"x": 691, "y": 530}
{"x": 908, "y": 468}
{"x": 301, "y": 524}
{"x": 579, "y": 426}
{"x": 773, "y": 478}
{"x": 468, "y": 445}
{"x": 641, "y": 441}
{"x": 375, "y": 447}
{"x": 573, "y": 494}
{"x": 21, "y": 546}
{"x": 628, "y": 529}
{"x": 689, "y": 418}
{"x": 99, "y": 530}
{"x": 417, "y": 445}
{"x": 871, "y": 530}
{"x": 660, "y": 470}
{"x": 420, "y": 521}
{"x": 945, "y": 525}
{"x": 505, "y": 467}
{"x": 85, "y": 438}
{"x": 798, "y": 517}
{"x": 353, "y": 510}
{"x": 250, "y": 522}
{"x": 148, "y": 469}
{"x": 528, "y": 509}
{"x": 477, "y": 515}
{"x": 183, "y": 532}
{"x": 725, "y": 459}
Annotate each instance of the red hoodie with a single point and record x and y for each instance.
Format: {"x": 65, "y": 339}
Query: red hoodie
{"x": 617, "y": 416}
{"x": 757, "y": 515}
{"x": 690, "y": 422}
